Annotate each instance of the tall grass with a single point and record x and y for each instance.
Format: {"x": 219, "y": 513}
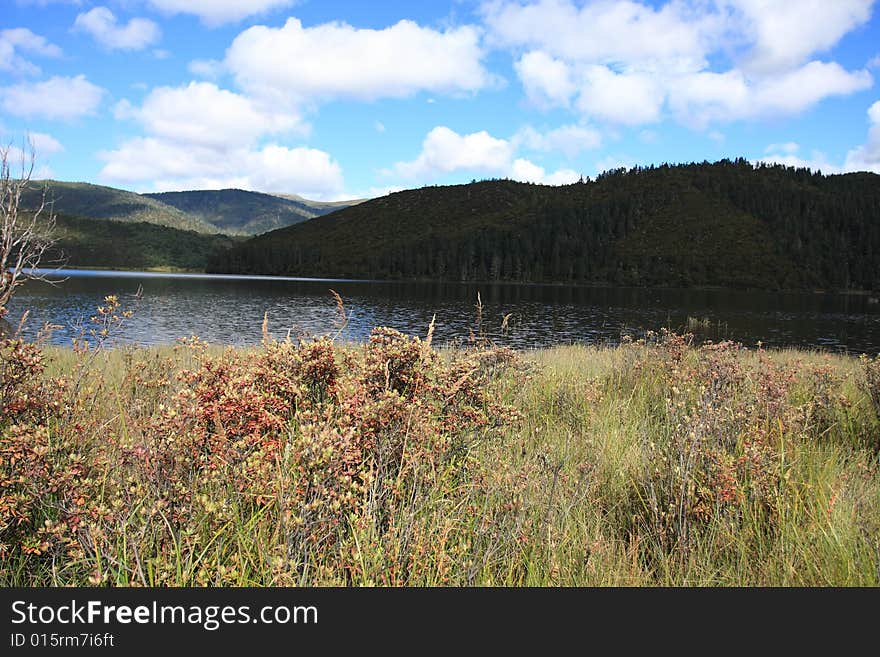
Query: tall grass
{"x": 656, "y": 462}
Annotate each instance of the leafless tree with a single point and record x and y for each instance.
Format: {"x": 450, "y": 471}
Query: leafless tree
{"x": 25, "y": 232}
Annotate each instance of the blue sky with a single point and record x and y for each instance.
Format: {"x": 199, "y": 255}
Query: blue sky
{"x": 336, "y": 100}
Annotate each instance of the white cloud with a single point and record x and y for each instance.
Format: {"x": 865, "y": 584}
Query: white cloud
{"x": 797, "y": 90}
{"x": 784, "y": 35}
{"x": 445, "y": 151}
{"x": 20, "y": 39}
{"x": 547, "y": 80}
{"x": 604, "y": 32}
{"x": 201, "y": 136}
{"x": 678, "y": 35}
{"x": 610, "y": 162}
{"x": 335, "y": 60}
{"x": 628, "y": 62}
{"x": 210, "y": 69}
{"x": 867, "y": 156}
{"x": 628, "y": 98}
{"x": 103, "y": 27}
{"x": 201, "y": 113}
{"x": 43, "y": 3}
{"x": 568, "y": 139}
{"x": 788, "y": 148}
{"x": 525, "y": 171}
{"x": 862, "y": 158}
{"x": 161, "y": 165}
{"x": 62, "y": 98}
{"x": 44, "y": 144}
{"x": 707, "y": 96}
{"x": 817, "y": 162}
{"x": 36, "y": 144}
{"x": 217, "y": 12}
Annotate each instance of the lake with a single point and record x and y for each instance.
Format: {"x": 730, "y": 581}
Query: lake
{"x": 229, "y": 310}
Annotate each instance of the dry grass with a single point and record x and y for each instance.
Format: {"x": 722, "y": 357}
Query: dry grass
{"x": 390, "y": 463}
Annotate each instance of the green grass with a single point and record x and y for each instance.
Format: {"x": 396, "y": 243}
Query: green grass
{"x": 561, "y": 496}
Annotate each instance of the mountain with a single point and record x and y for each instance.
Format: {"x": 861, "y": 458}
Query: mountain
{"x": 236, "y": 211}
{"x": 87, "y": 200}
{"x": 229, "y": 211}
{"x": 725, "y": 224}
{"x": 87, "y": 242}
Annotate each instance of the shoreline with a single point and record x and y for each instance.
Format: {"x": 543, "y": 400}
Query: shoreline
{"x": 873, "y": 294}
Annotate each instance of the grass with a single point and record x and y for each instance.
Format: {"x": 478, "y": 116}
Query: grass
{"x": 658, "y": 462}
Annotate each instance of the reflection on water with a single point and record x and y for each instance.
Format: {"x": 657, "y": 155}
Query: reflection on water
{"x": 229, "y": 310}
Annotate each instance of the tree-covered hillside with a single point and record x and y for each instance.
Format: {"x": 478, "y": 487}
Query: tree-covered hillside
{"x": 86, "y": 242}
{"x": 726, "y": 224}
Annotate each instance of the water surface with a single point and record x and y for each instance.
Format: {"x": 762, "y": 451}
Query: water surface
{"x": 229, "y": 310}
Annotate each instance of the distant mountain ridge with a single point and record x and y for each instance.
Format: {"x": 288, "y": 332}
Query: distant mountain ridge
{"x": 228, "y": 211}
{"x": 238, "y": 211}
{"x": 81, "y": 199}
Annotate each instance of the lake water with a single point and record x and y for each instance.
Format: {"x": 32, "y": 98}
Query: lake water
{"x": 229, "y": 310}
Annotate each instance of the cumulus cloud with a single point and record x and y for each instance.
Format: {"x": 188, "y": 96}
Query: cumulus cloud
{"x": 610, "y": 162}
{"x": 547, "y": 81}
{"x": 604, "y": 32}
{"x": 525, "y": 171}
{"x": 20, "y": 39}
{"x": 630, "y": 63}
{"x": 707, "y": 96}
{"x": 63, "y": 98}
{"x": 201, "y": 113}
{"x": 336, "y": 60}
{"x": 785, "y": 35}
{"x": 816, "y": 162}
{"x": 788, "y": 147}
{"x": 867, "y": 156}
{"x": 45, "y": 144}
{"x": 37, "y": 144}
{"x": 200, "y": 136}
{"x": 446, "y": 151}
{"x": 628, "y": 98}
{"x": 567, "y": 139}
{"x": 44, "y": 3}
{"x": 102, "y": 26}
{"x": 210, "y": 69}
{"x": 217, "y": 12}
{"x": 161, "y": 165}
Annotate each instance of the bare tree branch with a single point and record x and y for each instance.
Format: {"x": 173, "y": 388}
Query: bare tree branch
{"x": 26, "y": 234}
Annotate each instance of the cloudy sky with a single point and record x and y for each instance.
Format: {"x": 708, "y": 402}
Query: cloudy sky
{"x": 349, "y": 99}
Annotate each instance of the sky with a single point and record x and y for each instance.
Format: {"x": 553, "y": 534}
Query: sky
{"x": 335, "y": 100}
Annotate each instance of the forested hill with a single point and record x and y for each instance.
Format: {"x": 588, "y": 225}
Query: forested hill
{"x": 237, "y": 211}
{"x": 725, "y": 224}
